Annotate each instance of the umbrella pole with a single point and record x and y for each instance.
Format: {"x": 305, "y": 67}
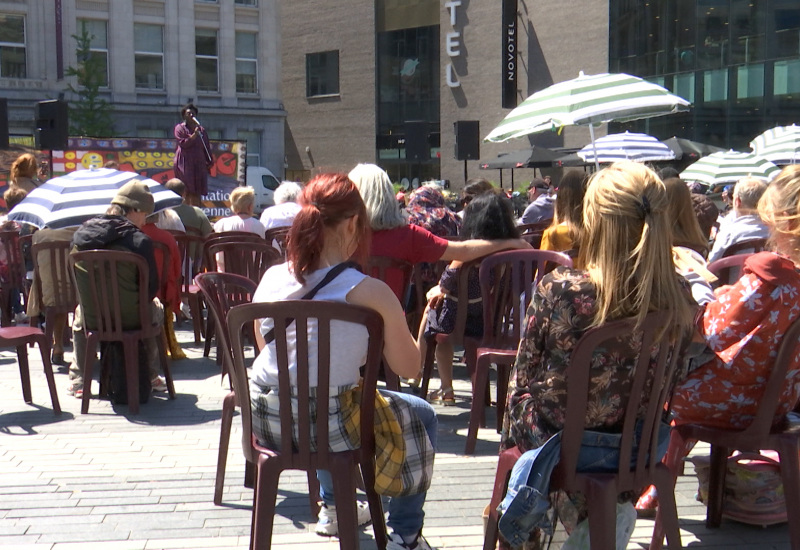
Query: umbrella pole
{"x": 594, "y": 148}
{"x": 501, "y": 178}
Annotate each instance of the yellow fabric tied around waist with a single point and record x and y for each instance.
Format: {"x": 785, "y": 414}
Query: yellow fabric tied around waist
{"x": 390, "y": 447}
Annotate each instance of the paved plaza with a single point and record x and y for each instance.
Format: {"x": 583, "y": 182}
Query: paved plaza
{"x": 111, "y": 481}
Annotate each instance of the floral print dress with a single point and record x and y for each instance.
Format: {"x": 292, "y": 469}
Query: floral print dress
{"x": 561, "y": 311}
{"x": 743, "y": 328}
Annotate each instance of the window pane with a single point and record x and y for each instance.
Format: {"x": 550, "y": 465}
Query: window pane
{"x": 715, "y": 85}
{"x": 712, "y": 19}
{"x": 246, "y": 44}
{"x": 12, "y": 62}
{"x": 246, "y": 2}
{"x": 149, "y": 71}
{"x": 750, "y": 81}
{"x": 148, "y": 38}
{"x": 322, "y": 73}
{"x": 13, "y": 29}
{"x": 205, "y": 42}
{"x": 787, "y": 29}
{"x": 246, "y": 77}
{"x": 206, "y": 75}
{"x": 684, "y": 86}
{"x": 787, "y": 77}
{"x": 100, "y": 60}
{"x": 96, "y": 31}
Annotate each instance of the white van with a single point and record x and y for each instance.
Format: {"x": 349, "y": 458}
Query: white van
{"x": 264, "y": 184}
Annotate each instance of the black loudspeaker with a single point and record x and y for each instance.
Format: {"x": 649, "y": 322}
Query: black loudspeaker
{"x": 52, "y": 125}
{"x": 417, "y": 147}
{"x": 468, "y": 141}
{"x": 3, "y": 123}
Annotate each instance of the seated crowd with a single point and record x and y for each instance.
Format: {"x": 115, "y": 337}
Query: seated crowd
{"x": 638, "y": 244}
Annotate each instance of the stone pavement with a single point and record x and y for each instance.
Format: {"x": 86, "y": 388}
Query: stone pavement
{"x": 111, "y": 481}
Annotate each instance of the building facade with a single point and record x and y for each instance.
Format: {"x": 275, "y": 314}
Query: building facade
{"x": 223, "y": 55}
{"x": 355, "y": 74}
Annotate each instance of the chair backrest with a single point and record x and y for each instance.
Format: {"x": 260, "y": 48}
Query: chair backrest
{"x": 747, "y": 246}
{"x": 391, "y": 271}
{"x": 221, "y": 292}
{"x": 250, "y": 260}
{"x": 97, "y": 277}
{"x": 279, "y": 236}
{"x": 58, "y": 278}
{"x": 651, "y": 368}
{"x": 301, "y": 313}
{"x": 508, "y": 281}
{"x": 728, "y": 269}
{"x": 9, "y": 241}
{"x": 191, "y": 250}
{"x": 533, "y": 232}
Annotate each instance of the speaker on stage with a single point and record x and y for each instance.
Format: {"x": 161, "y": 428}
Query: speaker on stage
{"x": 468, "y": 141}
{"x": 417, "y": 147}
{"x": 3, "y": 123}
{"x": 52, "y": 125}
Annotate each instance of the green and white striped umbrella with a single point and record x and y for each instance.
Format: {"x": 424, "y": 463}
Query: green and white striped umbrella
{"x": 588, "y": 99}
{"x": 780, "y": 145}
{"x": 729, "y": 167}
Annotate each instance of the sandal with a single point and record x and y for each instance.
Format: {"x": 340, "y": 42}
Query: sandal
{"x": 647, "y": 505}
{"x": 75, "y": 389}
{"x": 442, "y": 396}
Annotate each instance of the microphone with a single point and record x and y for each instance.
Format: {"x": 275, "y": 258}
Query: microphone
{"x": 194, "y": 119}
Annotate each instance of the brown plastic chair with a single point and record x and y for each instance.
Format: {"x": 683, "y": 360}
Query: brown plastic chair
{"x": 385, "y": 268}
{"x": 228, "y": 236}
{"x": 270, "y": 463}
{"x": 191, "y": 249}
{"x": 15, "y": 273}
{"x": 279, "y": 236}
{"x": 221, "y": 292}
{"x": 99, "y": 267}
{"x": 65, "y": 295}
{"x": 767, "y": 431}
{"x": 21, "y": 337}
{"x": 749, "y": 246}
{"x": 508, "y": 281}
{"x": 533, "y": 232}
{"x": 728, "y": 269}
{"x": 650, "y": 387}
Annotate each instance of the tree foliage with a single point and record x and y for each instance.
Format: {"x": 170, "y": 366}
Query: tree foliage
{"x": 90, "y": 114}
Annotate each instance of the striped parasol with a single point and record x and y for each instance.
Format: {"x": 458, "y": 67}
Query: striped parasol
{"x": 729, "y": 167}
{"x": 626, "y": 146}
{"x": 780, "y": 145}
{"x": 588, "y": 99}
{"x": 72, "y": 199}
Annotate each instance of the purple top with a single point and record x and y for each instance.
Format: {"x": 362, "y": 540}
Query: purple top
{"x": 192, "y": 160}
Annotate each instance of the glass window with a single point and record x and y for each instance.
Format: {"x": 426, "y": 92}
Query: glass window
{"x": 322, "y": 73}
{"x": 750, "y": 81}
{"x": 246, "y": 2}
{"x": 684, "y": 86}
{"x": 787, "y": 77}
{"x": 151, "y": 133}
{"x": 206, "y": 60}
{"x": 748, "y": 29}
{"x": 246, "y": 62}
{"x": 787, "y": 29}
{"x": 715, "y": 85}
{"x": 148, "y": 43}
{"x": 682, "y": 36}
{"x": 714, "y": 35}
{"x": 253, "y": 140}
{"x": 98, "y": 45}
{"x": 12, "y": 46}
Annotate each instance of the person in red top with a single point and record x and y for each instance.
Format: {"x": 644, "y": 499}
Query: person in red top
{"x": 392, "y": 235}
{"x": 169, "y": 289}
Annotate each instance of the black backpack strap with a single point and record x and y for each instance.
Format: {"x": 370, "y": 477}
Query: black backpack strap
{"x": 329, "y": 276}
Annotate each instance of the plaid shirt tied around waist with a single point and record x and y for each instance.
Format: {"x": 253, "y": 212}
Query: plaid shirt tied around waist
{"x": 403, "y": 452}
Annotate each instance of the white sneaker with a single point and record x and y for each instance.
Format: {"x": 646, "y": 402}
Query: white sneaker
{"x": 396, "y": 542}
{"x": 159, "y": 383}
{"x": 328, "y": 526}
{"x": 186, "y": 311}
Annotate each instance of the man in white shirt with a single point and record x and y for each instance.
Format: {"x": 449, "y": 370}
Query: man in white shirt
{"x": 286, "y": 207}
{"x": 744, "y": 223}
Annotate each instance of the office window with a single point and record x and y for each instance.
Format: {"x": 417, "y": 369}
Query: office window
{"x": 206, "y": 60}
{"x": 98, "y": 44}
{"x": 148, "y": 45}
{"x": 322, "y": 73}
{"x": 12, "y": 46}
{"x": 246, "y": 2}
{"x": 253, "y": 140}
{"x": 246, "y": 62}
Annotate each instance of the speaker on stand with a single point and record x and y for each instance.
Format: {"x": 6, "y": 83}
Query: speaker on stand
{"x": 52, "y": 125}
{"x": 468, "y": 141}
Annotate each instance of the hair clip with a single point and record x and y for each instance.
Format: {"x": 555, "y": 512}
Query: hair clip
{"x": 644, "y": 207}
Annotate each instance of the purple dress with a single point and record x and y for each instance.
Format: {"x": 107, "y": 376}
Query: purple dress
{"x": 191, "y": 159}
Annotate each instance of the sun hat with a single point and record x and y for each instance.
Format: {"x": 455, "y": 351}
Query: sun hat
{"x": 135, "y": 195}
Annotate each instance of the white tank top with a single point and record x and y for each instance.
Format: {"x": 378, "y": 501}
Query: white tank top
{"x": 350, "y": 349}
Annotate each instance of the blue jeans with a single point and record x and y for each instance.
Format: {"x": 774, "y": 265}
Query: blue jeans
{"x": 405, "y": 513}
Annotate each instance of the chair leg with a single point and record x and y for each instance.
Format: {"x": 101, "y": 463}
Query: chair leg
{"x": 228, "y": 404}
{"x": 210, "y": 328}
{"x": 505, "y": 464}
{"x": 375, "y": 504}
{"x": 503, "y": 372}
{"x": 478, "y": 390}
{"x": 716, "y": 485}
{"x": 344, "y": 491}
{"x": 131, "y": 351}
{"x": 162, "y": 358}
{"x": 789, "y": 449}
{"x": 44, "y": 349}
{"x": 88, "y": 366}
{"x": 196, "y": 308}
{"x": 24, "y": 372}
{"x": 673, "y": 460}
{"x": 250, "y": 477}
{"x": 264, "y": 506}
{"x": 313, "y": 492}
{"x": 602, "y": 499}
{"x": 667, "y": 512}
{"x": 427, "y": 367}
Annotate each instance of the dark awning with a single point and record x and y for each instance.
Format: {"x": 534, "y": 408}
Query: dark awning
{"x": 535, "y": 157}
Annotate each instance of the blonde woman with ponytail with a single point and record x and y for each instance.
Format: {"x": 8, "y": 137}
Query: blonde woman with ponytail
{"x": 626, "y": 251}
